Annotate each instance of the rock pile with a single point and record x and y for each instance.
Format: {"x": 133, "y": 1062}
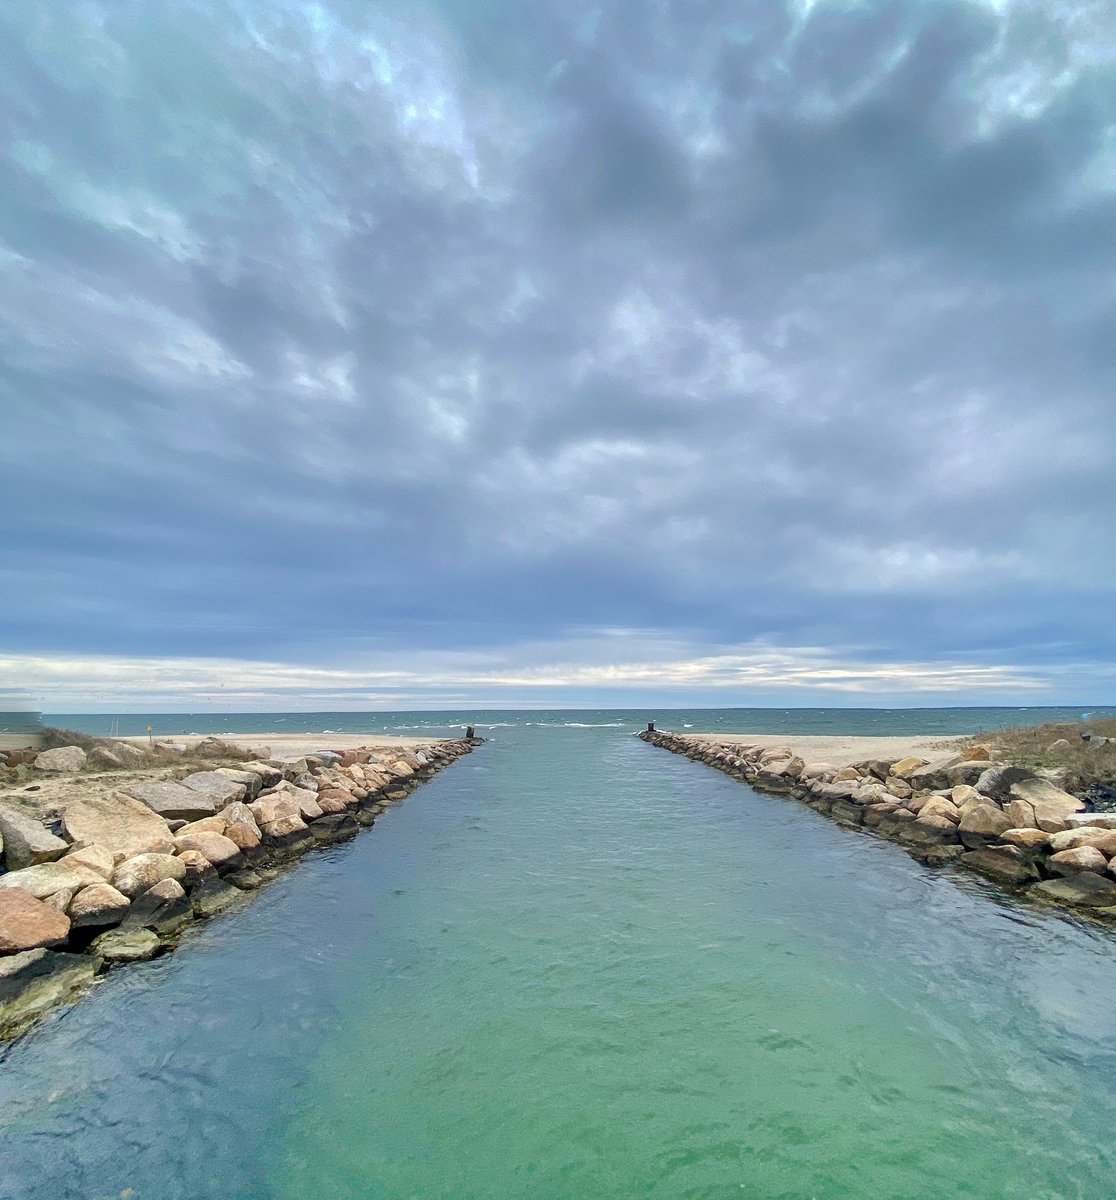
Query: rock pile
{"x": 127, "y": 872}
{"x": 1006, "y": 822}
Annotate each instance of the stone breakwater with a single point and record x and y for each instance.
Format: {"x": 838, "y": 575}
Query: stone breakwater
{"x": 1012, "y": 825}
{"x": 125, "y": 873}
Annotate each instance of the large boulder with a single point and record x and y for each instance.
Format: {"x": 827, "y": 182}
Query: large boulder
{"x": 163, "y": 908}
{"x": 126, "y": 945}
{"x": 250, "y": 780}
{"x": 213, "y": 896}
{"x": 1097, "y": 820}
{"x": 1036, "y": 803}
{"x": 1080, "y": 858}
{"x": 217, "y": 786}
{"x": 221, "y": 851}
{"x": 102, "y": 756}
{"x": 26, "y": 841}
{"x": 982, "y": 823}
{"x": 1005, "y": 864}
{"x": 1084, "y": 890}
{"x": 996, "y": 781}
{"x": 939, "y": 806}
{"x": 198, "y": 867}
{"x": 934, "y": 774}
{"x": 1026, "y": 839}
{"x": 48, "y": 879}
{"x": 119, "y": 823}
{"x": 27, "y": 923}
{"x": 136, "y": 875}
{"x": 1085, "y": 835}
{"x": 97, "y": 905}
{"x": 905, "y": 766}
{"x": 96, "y": 858}
{"x": 35, "y": 980}
{"x": 63, "y": 758}
{"x": 173, "y": 801}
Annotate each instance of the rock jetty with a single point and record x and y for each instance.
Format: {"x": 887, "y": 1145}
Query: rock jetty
{"x": 122, "y": 873}
{"x": 1006, "y": 822}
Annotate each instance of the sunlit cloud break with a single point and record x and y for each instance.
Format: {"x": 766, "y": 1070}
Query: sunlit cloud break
{"x": 61, "y": 682}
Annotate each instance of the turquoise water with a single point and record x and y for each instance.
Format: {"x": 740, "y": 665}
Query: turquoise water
{"x": 573, "y": 966}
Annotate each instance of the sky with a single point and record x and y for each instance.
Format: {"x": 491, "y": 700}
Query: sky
{"x": 361, "y": 356}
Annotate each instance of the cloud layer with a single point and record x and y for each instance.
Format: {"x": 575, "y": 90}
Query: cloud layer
{"x": 343, "y": 336}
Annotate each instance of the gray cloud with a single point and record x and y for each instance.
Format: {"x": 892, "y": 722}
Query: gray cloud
{"x": 330, "y": 332}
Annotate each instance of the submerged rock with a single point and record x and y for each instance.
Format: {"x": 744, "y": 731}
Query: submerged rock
{"x": 35, "y": 980}
{"x": 126, "y": 945}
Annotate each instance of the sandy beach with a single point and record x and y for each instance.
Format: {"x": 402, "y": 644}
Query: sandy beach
{"x": 839, "y": 750}
{"x": 297, "y": 743}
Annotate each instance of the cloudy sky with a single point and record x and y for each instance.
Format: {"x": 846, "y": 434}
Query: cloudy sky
{"x": 369, "y": 354}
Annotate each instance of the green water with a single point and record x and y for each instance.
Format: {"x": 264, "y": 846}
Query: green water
{"x": 574, "y": 966}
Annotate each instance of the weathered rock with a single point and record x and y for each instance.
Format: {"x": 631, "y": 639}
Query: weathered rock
{"x": 126, "y": 945}
{"x": 898, "y": 787}
{"x": 983, "y": 823}
{"x": 96, "y": 905}
{"x": 243, "y": 836}
{"x": 847, "y": 812}
{"x": 1081, "y": 858}
{"x": 820, "y": 770}
{"x": 214, "y": 747}
{"x": 198, "y": 867}
{"x": 875, "y": 813}
{"x": 26, "y": 923}
{"x": 246, "y": 879}
{"x": 1006, "y": 864}
{"x": 174, "y": 801}
{"x": 285, "y": 830}
{"x": 846, "y": 775}
{"x": 216, "y": 786}
{"x": 163, "y": 908}
{"x": 329, "y": 805}
{"x": 334, "y": 828}
{"x": 905, "y": 766}
{"x": 997, "y": 780}
{"x": 26, "y": 841}
{"x": 136, "y": 875}
{"x": 217, "y": 824}
{"x": 964, "y": 797}
{"x": 1085, "y": 835}
{"x": 35, "y": 980}
{"x": 221, "y": 851}
{"x": 927, "y": 831}
{"x": 96, "y": 858}
{"x": 1095, "y": 819}
{"x": 121, "y": 824}
{"x": 239, "y": 813}
{"x": 1084, "y": 890}
{"x": 60, "y": 900}
{"x": 965, "y": 772}
{"x": 1026, "y": 839}
{"x": 46, "y": 879}
{"x": 250, "y": 780}
{"x": 870, "y": 793}
{"x": 938, "y": 806}
{"x": 101, "y": 756}
{"x": 275, "y": 807}
{"x": 1058, "y": 747}
{"x": 976, "y": 754}
{"x": 932, "y": 775}
{"x": 213, "y": 896}
{"x": 63, "y": 758}
{"x": 129, "y": 754}
{"x": 1039, "y": 804}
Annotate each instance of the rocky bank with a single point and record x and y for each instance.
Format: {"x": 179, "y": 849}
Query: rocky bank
{"x": 120, "y": 873}
{"x": 1011, "y": 824}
